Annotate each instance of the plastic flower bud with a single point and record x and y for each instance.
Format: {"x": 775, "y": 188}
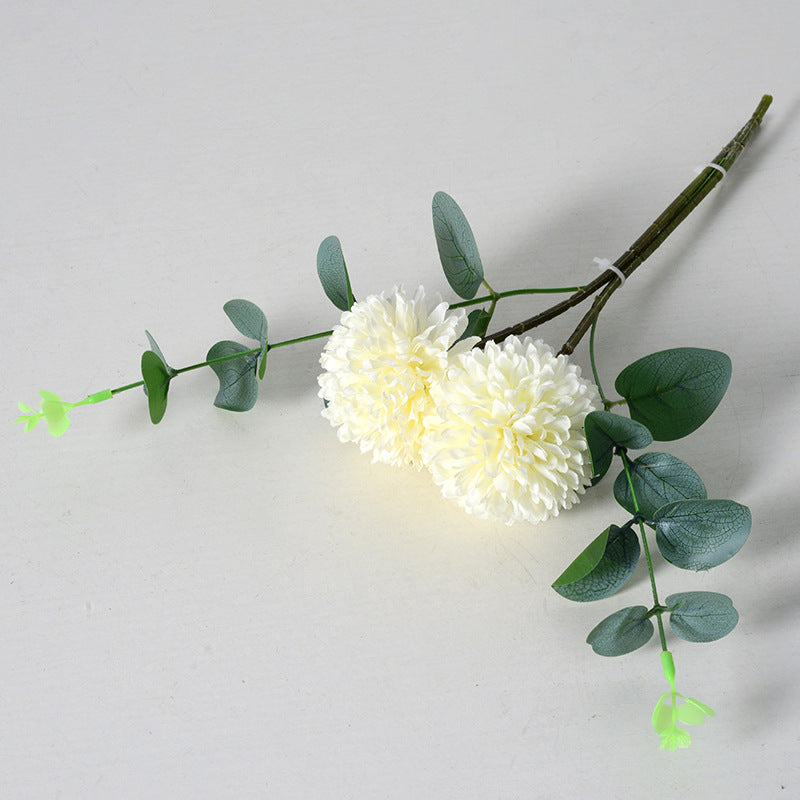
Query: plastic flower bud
{"x": 54, "y": 411}
{"x": 668, "y": 712}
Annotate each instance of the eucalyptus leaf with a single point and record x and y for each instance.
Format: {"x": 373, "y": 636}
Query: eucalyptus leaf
{"x": 701, "y": 616}
{"x": 262, "y": 366}
{"x": 700, "y": 534}
{"x": 658, "y": 479}
{"x": 458, "y": 250}
{"x": 238, "y": 387}
{"x": 248, "y": 319}
{"x": 157, "y": 350}
{"x": 156, "y": 376}
{"x": 332, "y": 272}
{"x": 622, "y": 632}
{"x": 602, "y": 568}
{"x": 673, "y": 392}
{"x": 605, "y": 431}
{"x": 477, "y": 324}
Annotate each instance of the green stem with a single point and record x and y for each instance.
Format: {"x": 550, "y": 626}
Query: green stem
{"x": 606, "y": 404}
{"x": 658, "y": 609}
{"x": 609, "y": 281}
{"x": 513, "y": 293}
{"x": 299, "y": 339}
{"x": 209, "y": 362}
{"x": 490, "y": 298}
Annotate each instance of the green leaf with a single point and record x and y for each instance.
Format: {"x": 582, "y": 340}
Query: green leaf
{"x": 605, "y": 431}
{"x": 238, "y": 387}
{"x": 690, "y": 714}
{"x": 156, "y": 376}
{"x": 477, "y": 324}
{"x": 674, "y": 392}
{"x": 458, "y": 251}
{"x": 262, "y": 366}
{"x": 157, "y": 350}
{"x": 333, "y": 275}
{"x": 248, "y": 319}
{"x": 658, "y": 479}
{"x": 700, "y": 534}
{"x": 701, "y": 616}
{"x": 602, "y": 568}
{"x": 662, "y": 716}
{"x": 623, "y": 632}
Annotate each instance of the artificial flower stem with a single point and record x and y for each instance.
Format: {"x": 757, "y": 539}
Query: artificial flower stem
{"x": 218, "y": 360}
{"x": 594, "y": 367}
{"x": 514, "y": 293}
{"x": 609, "y": 281}
{"x": 230, "y": 357}
{"x": 127, "y": 386}
{"x": 657, "y": 607}
{"x": 299, "y": 339}
{"x": 492, "y": 292}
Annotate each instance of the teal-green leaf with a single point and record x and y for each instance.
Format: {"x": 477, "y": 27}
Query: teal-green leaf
{"x": 477, "y": 324}
{"x": 332, "y": 272}
{"x": 248, "y": 319}
{"x": 605, "y": 431}
{"x": 458, "y": 251}
{"x": 701, "y": 616}
{"x": 157, "y": 350}
{"x": 700, "y": 534}
{"x": 673, "y": 392}
{"x": 622, "y": 632}
{"x": 262, "y": 365}
{"x": 238, "y": 387}
{"x": 658, "y": 479}
{"x": 602, "y": 568}
{"x": 156, "y": 376}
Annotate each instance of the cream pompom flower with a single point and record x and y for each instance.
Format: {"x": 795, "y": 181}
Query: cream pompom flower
{"x": 380, "y": 364}
{"x": 506, "y": 439}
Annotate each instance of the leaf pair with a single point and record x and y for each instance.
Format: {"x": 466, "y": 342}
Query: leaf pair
{"x": 238, "y": 386}
{"x": 692, "y": 532}
{"x": 694, "y": 616}
{"x": 156, "y": 374}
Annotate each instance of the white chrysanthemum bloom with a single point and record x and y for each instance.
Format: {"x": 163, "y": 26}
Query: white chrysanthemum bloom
{"x": 380, "y": 364}
{"x": 506, "y": 439}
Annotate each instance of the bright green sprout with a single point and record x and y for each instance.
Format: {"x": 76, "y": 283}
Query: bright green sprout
{"x": 55, "y": 410}
{"x": 668, "y": 713}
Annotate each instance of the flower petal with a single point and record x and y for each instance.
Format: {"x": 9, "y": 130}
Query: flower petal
{"x": 505, "y": 436}
{"x": 380, "y": 364}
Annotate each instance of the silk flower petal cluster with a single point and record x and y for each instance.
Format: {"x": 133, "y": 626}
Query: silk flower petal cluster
{"x": 380, "y": 364}
{"x": 506, "y": 439}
